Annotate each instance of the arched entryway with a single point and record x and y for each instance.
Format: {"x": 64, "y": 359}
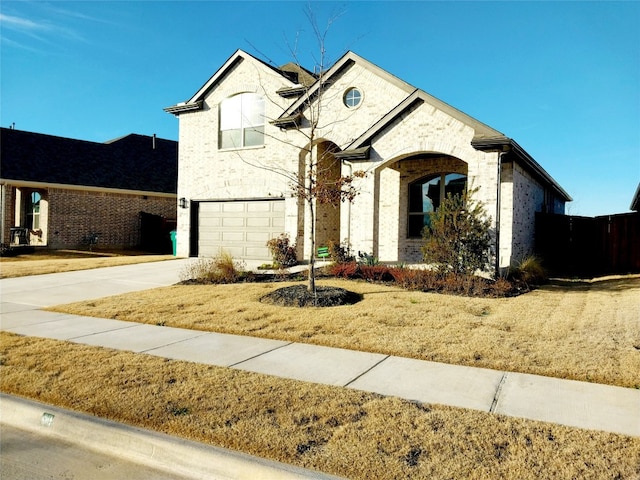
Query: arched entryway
{"x": 409, "y": 188}
{"x": 327, "y": 174}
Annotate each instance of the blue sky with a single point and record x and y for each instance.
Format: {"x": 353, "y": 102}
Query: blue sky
{"x": 560, "y": 78}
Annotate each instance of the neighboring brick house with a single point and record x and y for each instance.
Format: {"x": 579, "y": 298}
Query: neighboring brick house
{"x": 246, "y": 126}
{"x": 59, "y": 192}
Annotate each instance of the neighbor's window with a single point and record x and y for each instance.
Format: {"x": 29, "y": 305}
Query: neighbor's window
{"x": 242, "y": 121}
{"x": 33, "y": 211}
{"x": 426, "y": 194}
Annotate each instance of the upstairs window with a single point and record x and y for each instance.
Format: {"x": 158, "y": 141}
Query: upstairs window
{"x": 241, "y": 121}
{"x": 426, "y": 194}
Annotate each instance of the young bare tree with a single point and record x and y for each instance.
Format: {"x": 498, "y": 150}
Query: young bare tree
{"x": 318, "y": 184}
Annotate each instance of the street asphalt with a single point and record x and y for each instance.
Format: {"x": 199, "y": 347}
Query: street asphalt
{"x": 576, "y": 404}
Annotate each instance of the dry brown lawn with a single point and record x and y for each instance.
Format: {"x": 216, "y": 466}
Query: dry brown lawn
{"x": 56, "y": 261}
{"x": 340, "y": 431}
{"x": 586, "y": 331}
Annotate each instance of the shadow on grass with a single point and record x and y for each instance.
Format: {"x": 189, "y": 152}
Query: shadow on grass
{"x": 604, "y": 284}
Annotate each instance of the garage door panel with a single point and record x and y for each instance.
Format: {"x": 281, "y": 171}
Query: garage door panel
{"x": 259, "y": 207}
{"x": 232, "y": 222}
{"x": 233, "y": 237}
{"x": 255, "y": 222}
{"x": 241, "y": 228}
{"x": 211, "y": 234}
{"x": 259, "y": 237}
{"x": 236, "y": 252}
{"x": 233, "y": 207}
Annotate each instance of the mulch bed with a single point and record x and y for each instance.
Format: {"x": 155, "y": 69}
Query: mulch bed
{"x": 300, "y": 296}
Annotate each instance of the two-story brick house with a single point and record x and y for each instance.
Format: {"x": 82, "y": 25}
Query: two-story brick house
{"x": 249, "y": 124}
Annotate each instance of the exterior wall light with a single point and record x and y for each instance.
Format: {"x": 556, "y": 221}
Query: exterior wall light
{"x": 183, "y": 202}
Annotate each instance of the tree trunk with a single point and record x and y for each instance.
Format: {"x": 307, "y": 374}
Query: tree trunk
{"x": 312, "y": 258}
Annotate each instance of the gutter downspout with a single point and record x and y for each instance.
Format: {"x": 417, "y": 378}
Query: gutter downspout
{"x": 498, "y": 208}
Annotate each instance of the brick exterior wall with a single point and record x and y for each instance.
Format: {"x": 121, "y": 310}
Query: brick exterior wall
{"x": 69, "y": 216}
{"x": 445, "y": 144}
{"x": 7, "y": 207}
{"x": 73, "y": 215}
{"x": 423, "y": 141}
{"x": 208, "y": 173}
{"x": 522, "y": 196}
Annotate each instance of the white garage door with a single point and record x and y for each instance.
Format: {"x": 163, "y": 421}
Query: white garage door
{"x": 241, "y": 228}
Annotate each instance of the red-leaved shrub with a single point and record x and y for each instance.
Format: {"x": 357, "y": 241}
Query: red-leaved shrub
{"x": 375, "y": 273}
{"x": 344, "y": 270}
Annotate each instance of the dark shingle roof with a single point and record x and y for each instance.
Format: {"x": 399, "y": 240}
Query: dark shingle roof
{"x": 129, "y": 162}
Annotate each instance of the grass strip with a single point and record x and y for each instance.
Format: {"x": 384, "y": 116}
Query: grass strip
{"x": 12, "y": 267}
{"x": 586, "y": 331}
{"x": 340, "y": 431}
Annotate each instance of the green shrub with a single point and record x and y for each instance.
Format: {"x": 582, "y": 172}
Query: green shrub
{"x": 458, "y": 238}
{"x": 367, "y": 259}
{"x": 283, "y": 253}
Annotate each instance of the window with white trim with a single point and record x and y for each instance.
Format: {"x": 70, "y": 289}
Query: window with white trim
{"x": 33, "y": 210}
{"x": 426, "y": 195}
{"x": 241, "y": 121}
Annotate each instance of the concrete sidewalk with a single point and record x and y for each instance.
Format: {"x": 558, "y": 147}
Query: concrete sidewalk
{"x": 566, "y": 402}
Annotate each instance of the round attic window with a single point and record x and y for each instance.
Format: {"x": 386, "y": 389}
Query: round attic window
{"x": 352, "y": 97}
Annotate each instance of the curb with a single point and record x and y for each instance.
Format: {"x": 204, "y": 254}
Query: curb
{"x": 171, "y": 454}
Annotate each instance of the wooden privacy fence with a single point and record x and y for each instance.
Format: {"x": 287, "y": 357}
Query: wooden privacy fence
{"x": 586, "y": 246}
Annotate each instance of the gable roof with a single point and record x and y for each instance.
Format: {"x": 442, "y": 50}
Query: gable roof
{"x": 485, "y": 137}
{"x": 417, "y": 98}
{"x": 288, "y": 73}
{"x": 127, "y": 163}
{"x": 344, "y": 62}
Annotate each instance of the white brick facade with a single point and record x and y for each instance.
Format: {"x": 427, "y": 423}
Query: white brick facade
{"x": 408, "y": 134}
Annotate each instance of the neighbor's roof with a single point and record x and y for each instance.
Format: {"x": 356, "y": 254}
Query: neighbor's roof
{"x": 126, "y": 163}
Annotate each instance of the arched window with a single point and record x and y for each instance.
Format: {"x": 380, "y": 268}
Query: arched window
{"x": 241, "y": 121}
{"x": 426, "y": 194}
